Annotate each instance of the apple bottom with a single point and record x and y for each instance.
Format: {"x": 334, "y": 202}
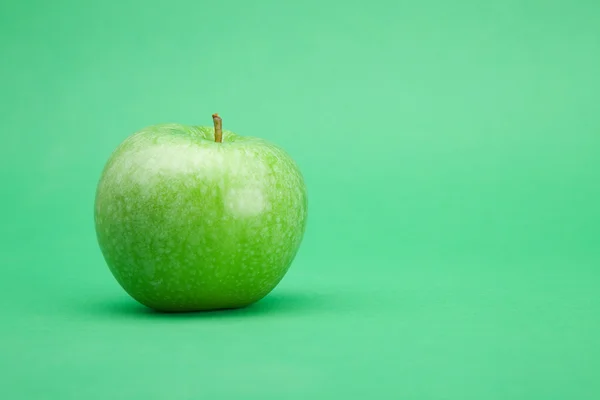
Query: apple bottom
{"x": 210, "y": 294}
{"x": 181, "y": 273}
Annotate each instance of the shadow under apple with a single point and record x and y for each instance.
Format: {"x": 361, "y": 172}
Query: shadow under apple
{"x": 274, "y": 303}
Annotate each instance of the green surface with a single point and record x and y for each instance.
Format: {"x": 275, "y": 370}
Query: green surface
{"x": 452, "y": 157}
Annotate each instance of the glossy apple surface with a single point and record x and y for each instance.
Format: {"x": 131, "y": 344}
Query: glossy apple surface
{"x": 188, "y": 224}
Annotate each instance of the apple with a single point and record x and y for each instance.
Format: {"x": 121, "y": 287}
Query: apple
{"x": 193, "y": 218}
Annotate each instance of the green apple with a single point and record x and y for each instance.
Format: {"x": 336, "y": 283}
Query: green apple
{"x": 192, "y": 218}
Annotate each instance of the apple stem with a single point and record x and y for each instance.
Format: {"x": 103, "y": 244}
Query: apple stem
{"x": 218, "y": 128}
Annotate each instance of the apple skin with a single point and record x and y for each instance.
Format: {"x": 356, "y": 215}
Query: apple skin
{"x": 188, "y": 224}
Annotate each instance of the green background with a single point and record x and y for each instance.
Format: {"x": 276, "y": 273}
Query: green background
{"x": 452, "y": 156}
